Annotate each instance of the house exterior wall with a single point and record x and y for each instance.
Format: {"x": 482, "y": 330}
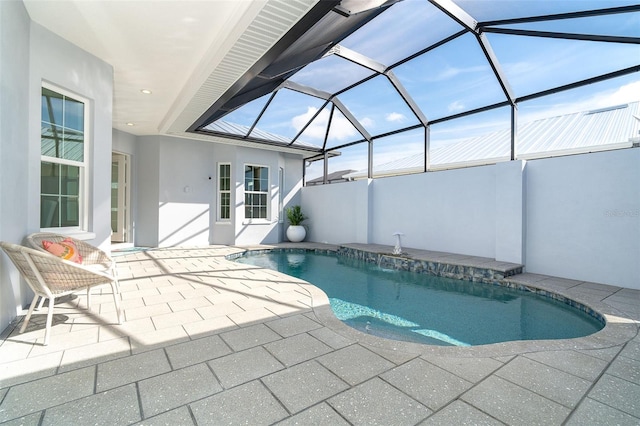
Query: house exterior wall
{"x": 576, "y": 217}
{"x": 147, "y": 191}
{"x": 54, "y": 60}
{"x": 186, "y": 193}
{"x": 29, "y": 55}
{"x": 176, "y": 193}
{"x": 14, "y": 152}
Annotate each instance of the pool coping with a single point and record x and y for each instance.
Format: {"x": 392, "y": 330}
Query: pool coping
{"x": 618, "y": 327}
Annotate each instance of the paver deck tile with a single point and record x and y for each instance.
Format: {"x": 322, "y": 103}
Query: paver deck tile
{"x": 197, "y": 351}
{"x": 375, "y": 402}
{"x": 115, "y": 406}
{"x": 549, "y": 382}
{"x": 179, "y": 387}
{"x": 244, "y": 366}
{"x": 304, "y": 385}
{"x": 355, "y": 364}
{"x": 131, "y": 369}
{"x": 460, "y": 413}
{"x": 296, "y": 349}
{"x": 39, "y": 394}
{"x": 431, "y": 385}
{"x": 514, "y": 405}
{"x": 250, "y": 404}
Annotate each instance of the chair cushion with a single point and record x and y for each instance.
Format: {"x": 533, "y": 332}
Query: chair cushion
{"x": 65, "y": 249}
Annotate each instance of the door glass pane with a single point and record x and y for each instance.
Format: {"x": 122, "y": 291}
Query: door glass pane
{"x": 114, "y": 196}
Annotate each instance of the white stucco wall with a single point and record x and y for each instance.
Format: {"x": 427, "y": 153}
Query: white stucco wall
{"x": 30, "y": 55}
{"x": 56, "y": 61}
{"x": 583, "y": 217}
{"x": 176, "y": 192}
{"x": 452, "y": 211}
{"x": 147, "y": 192}
{"x": 14, "y": 152}
{"x": 186, "y": 192}
{"x": 338, "y": 213}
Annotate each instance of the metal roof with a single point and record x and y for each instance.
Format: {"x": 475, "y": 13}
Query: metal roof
{"x": 587, "y": 131}
{"x": 240, "y": 130}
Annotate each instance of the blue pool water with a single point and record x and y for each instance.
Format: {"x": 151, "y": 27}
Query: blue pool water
{"x": 428, "y": 309}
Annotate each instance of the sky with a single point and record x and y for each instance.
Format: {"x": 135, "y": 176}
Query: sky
{"x": 453, "y": 78}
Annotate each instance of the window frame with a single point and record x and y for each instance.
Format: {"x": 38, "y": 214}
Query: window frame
{"x": 83, "y": 166}
{"x": 255, "y": 220}
{"x": 220, "y": 191}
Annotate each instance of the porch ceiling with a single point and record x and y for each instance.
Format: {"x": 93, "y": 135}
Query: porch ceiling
{"x": 188, "y": 53}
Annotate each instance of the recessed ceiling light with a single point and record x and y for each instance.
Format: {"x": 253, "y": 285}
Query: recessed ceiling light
{"x": 130, "y": 124}
{"x": 146, "y": 91}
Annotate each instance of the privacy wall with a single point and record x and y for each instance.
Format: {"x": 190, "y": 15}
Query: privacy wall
{"x": 583, "y": 217}
{"x": 575, "y": 217}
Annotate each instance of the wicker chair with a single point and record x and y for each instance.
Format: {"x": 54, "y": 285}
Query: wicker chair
{"x": 92, "y": 257}
{"x": 50, "y": 276}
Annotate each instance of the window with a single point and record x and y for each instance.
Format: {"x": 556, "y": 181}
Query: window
{"x": 63, "y": 147}
{"x": 256, "y": 192}
{"x": 224, "y": 192}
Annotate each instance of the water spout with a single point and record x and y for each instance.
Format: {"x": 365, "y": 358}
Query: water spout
{"x": 397, "y": 249}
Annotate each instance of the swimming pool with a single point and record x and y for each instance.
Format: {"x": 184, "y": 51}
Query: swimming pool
{"x": 427, "y": 309}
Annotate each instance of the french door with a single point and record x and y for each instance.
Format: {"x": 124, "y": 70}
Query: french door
{"x": 119, "y": 197}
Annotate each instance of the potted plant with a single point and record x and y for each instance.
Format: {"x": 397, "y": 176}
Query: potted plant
{"x": 296, "y": 232}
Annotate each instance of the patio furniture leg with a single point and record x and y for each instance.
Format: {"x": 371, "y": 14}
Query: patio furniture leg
{"x": 28, "y": 317}
{"x": 88, "y": 298}
{"x": 47, "y": 330}
{"x": 42, "y": 299}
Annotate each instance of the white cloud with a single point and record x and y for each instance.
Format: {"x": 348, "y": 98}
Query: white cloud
{"x": 395, "y": 117}
{"x": 449, "y": 72}
{"x": 341, "y": 128}
{"x": 625, "y": 94}
{"x": 317, "y": 129}
{"x": 629, "y": 92}
{"x": 455, "y": 106}
{"x": 367, "y": 122}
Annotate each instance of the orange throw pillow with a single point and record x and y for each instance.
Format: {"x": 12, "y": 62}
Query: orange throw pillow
{"x": 65, "y": 249}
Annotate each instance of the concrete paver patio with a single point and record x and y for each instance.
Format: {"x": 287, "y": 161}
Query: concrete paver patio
{"x": 210, "y": 341}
